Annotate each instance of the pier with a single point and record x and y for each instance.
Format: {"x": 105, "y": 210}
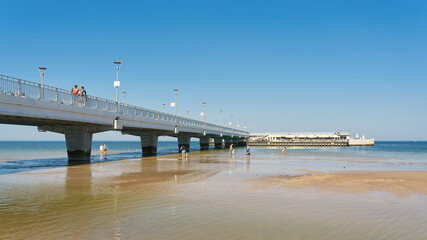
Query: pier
{"x": 54, "y": 109}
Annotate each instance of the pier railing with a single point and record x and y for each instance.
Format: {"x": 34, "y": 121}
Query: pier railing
{"x": 23, "y": 88}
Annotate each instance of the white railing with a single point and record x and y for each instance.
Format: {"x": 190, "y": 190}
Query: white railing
{"x": 22, "y": 88}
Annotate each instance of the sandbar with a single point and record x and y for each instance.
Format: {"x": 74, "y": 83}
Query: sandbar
{"x": 402, "y": 183}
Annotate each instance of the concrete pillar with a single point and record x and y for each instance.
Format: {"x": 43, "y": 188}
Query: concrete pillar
{"x": 184, "y": 141}
{"x": 149, "y": 141}
{"x": 79, "y": 143}
{"x": 218, "y": 142}
{"x": 242, "y": 142}
{"x": 235, "y": 141}
{"x": 227, "y": 142}
{"x": 204, "y": 143}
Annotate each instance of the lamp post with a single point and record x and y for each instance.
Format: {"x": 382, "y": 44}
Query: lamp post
{"x": 124, "y": 96}
{"x": 231, "y": 125}
{"x": 164, "y": 105}
{"x": 220, "y": 121}
{"x": 176, "y": 90}
{"x": 42, "y": 76}
{"x": 204, "y": 118}
{"x": 117, "y": 83}
{"x": 238, "y": 126}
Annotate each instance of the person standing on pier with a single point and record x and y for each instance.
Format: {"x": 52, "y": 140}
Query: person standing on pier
{"x": 74, "y": 92}
{"x": 231, "y": 149}
{"x": 83, "y": 93}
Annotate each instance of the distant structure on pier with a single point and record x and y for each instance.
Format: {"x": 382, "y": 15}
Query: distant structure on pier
{"x": 308, "y": 139}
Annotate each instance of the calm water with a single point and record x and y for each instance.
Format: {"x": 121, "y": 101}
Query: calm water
{"x": 209, "y": 196}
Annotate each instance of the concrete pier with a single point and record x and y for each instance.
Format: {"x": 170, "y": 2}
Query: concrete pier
{"x": 79, "y": 142}
{"x": 218, "y": 142}
{"x": 361, "y": 142}
{"x": 235, "y": 141}
{"x": 241, "y": 143}
{"x": 204, "y": 143}
{"x": 184, "y": 141}
{"x": 227, "y": 142}
{"x": 149, "y": 141}
{"x": 54, "y": 109}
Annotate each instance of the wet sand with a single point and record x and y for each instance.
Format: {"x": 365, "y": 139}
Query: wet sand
{"x": 213, "y": 196}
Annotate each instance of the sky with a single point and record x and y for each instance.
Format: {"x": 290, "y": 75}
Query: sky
{"x": 277, "y": 66}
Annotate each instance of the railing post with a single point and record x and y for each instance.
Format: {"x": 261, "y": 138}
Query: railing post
{"x": 19, "y": 87}
{"x": 56, "y": 94}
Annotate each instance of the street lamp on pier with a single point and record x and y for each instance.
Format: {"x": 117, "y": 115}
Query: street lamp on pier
{"x": 117, "y": 82}
{"x": 220, "y": 121}
{"x": 124, "y": 96}
{"x": 204, "y": 118}
{"x": 176, "y": 90}
{"x": 41, "y": 71}
{"x": 231, "y": 125}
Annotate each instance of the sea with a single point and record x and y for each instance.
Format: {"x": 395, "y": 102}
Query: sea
{"x": 209, "y": 195}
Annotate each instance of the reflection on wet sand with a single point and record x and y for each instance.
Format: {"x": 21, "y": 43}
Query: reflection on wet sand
{"x": 80, "y": 199}
{"x": 78, "y": 179}
{"x": 248, "y": 163}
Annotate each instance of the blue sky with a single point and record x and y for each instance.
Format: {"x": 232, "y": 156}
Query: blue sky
{"x": 276, "y": 65}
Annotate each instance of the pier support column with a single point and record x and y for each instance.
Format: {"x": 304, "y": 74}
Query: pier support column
{"x": 79, "y": 143}
{"x": 149, "y": 141}
{"x": 184, "y": 141}
{"x": 242, "y": 142}
{"x": 218, "y": 142}
{"x": 235, "y": 141}
{"x": 204, "y": 143}
{"x": 227, "y": 142}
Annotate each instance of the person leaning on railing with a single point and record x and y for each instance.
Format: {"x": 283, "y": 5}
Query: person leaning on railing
{"x": 74, "y": 92}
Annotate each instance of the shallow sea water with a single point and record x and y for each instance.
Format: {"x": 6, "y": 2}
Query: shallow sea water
{"x": 209, "y": 196}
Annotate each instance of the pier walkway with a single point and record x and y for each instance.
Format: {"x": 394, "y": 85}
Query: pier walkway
{"x": 54, "y": 109}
